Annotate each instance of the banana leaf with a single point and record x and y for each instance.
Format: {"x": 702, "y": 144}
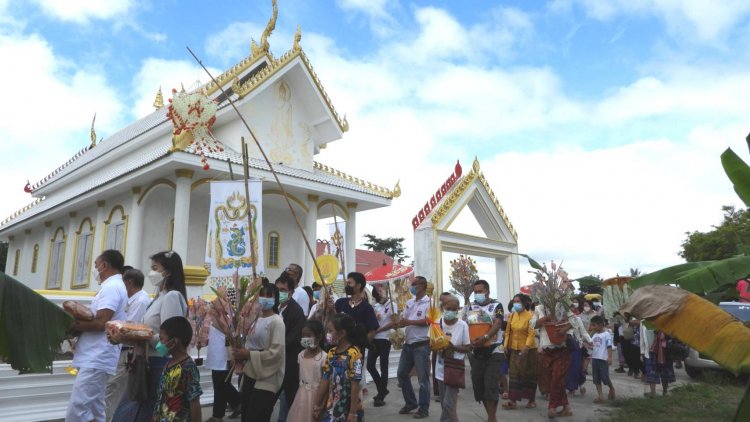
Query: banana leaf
{"x": 31, "y": 327}
{"x": 535, "y": 265}
{"x": 704, "y": 278}
{"x": 738, "y": 172}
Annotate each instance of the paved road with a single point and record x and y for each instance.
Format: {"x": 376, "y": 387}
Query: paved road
{"x": 470, "y": 411}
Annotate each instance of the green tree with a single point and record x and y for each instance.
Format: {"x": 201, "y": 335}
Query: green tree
{"x": 728, "y": 239}
{"x": 391, "y": 246}
{"x": 590, "y": 284}
{"x": 3, "y": 255}
{"x": 463, "y": 275}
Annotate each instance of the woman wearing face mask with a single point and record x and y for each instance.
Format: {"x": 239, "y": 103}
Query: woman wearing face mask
{"x": 520, "y": 347}
{"x": 168, "y": 276}
{"x": 384, "y": 310}
{"x": 264, "y": 356}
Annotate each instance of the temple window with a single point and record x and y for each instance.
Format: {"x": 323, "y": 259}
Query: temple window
{"x": 35, "y": 258}
{"x": 274, "y": 245}
{"x": 115, "y": 230}
{"x": 56, "y": 260}
{"x": 83, "y": 251}
{"x": 15, "y": 261}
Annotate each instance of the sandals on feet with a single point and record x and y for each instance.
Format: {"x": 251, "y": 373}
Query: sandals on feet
{"x": 510, "y": 406}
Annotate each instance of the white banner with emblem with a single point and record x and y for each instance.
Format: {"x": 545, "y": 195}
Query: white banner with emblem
{"x": 228, "y": 237}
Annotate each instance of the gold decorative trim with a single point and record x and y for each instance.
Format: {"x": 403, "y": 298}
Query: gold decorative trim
{"x": 65, "y": 293}
{"x": 460, "y": 188}
{"x": 289, "y": 195}
{"x": 21, "y": 211}
{"x": 123, "y": 217}
{"x": 313, "y": 198}
{"x": 158, "y": 100}
{"x": 27, "y": 231}
{"x": 195, "y": 276}
{"x": 200, "y": 182}
{"x": 80, "y": 227}
{"x": 16, "y": 261}
{"x": 101, "y": 204}
{"x": 11, "y": 238}
{"x": 136, "y": 190}
{"x": 184, "y": 173}
{"x": 371, "y": 187}
{"x": 338, "y": 205}
{"x": 72, "y": 214}
{"x": 47, "y": 224}
{"x": 351, "y": 205}
{"x": 154, "y": 184}
{"x": 171, "y": 235}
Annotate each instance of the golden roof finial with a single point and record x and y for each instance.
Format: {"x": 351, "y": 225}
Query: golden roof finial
{"x": 475, "y": 164}
{"x": 93, "y": 132}
{"x": 297, "y": 39}
{"x": 264, "y": 46}
{"x": 159, "y": 100}
{"x": 397, "y": 189}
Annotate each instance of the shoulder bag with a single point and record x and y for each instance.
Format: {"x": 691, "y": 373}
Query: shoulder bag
{"x": 138, "y": 375}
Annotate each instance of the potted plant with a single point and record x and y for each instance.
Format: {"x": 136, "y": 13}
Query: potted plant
{"x": 552, "y": 289}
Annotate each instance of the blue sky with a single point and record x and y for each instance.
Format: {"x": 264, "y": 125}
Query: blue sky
{"x": 598, "y": 124}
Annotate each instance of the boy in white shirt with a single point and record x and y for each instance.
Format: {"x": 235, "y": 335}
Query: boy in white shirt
{"x": 601, "y": 357}
{"x": 458, "y": 332}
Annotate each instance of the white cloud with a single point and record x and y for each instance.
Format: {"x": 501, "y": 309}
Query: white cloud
{"x": 82, "y": 11}
{"x": 234, "y": 41}
{"x": 373, "y": 8}
{"x": 700, "y": 20}
{"x": 167, "y": 74}
{"x": 50, "y": 114}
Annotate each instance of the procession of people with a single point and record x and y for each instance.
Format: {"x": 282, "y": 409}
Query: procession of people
{"x": 313, "y": 367}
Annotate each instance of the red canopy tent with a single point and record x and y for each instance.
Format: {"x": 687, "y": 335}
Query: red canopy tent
{"x": 388, "y": 273}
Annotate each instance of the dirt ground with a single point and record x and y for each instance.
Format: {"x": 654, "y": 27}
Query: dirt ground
{"x": 470, "y": 411}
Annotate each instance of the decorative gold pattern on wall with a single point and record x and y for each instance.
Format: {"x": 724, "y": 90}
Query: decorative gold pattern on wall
{"x": 371, "y": 187}
{"x": 458, "y": 190}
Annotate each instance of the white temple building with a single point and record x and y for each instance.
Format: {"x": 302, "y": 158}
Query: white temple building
{"x": 134, "y": 192}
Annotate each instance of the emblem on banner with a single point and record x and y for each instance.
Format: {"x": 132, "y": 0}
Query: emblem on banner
{"x": 231, "y": 235}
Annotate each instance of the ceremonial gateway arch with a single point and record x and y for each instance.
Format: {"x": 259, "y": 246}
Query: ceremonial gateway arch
{"x": 433, "y": 235}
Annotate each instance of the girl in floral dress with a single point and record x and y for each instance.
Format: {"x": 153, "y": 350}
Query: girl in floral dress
{"x": 311, "y": 361}
{"x": 339, "y": 395}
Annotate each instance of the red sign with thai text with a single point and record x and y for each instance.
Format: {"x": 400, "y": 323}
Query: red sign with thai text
{"x": 435, "y": 199}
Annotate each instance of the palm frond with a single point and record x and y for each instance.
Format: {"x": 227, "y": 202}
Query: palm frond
{"x": 700, "y": 278}
{"x": 695, "y": 321}
{"x": 31, "y": 327}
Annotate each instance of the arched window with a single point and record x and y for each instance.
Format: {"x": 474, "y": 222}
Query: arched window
{"x": 83, "y": 251}
{"x": 274, "y": 248}
{"x": 115, "y": 229}
{"x": 35, "y": 258}
{"x": 15, "y": 261}
{"x": 56, "y": 259}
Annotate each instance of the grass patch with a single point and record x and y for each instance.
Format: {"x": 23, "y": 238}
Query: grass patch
{"x": 690, "y": 402}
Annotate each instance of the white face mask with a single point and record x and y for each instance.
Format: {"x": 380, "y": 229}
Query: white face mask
{"x": 155, "y": 277}
{"x": 95, "y": 274}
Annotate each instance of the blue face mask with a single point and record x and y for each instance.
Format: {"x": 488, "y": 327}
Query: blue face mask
{"x": 266, "y": 303}
{"x": 517, "y": 307}
{"x": 413, "y": 290}
{"x": 316, "y": 295}
{"x": 479, "y": 297}
{"x": 450, "y": 315}
{"x": 162, "y": 349}
{"x": 283, "y": 297}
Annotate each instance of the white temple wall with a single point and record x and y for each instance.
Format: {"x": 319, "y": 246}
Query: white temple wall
{"x": 281, "y": 222}
{"x": 281, "y": 123}
{"x": 198, "y": 225}
{"x": 157, "y": 224}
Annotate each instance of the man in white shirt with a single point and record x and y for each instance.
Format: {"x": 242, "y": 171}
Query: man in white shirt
{"x": 300, "y": 295}
{"x": 416, "y": 351}
{"x": 95, "y": 358}
{"x": 138, "y": 301}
